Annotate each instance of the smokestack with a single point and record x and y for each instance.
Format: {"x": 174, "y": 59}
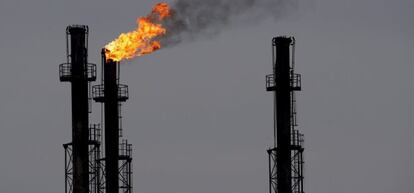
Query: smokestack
{"x": 111, "y": 124}
{"x": 283, "y": 113}
{"x": 286, "y": 155}
{"x": 79, "y": 73}
{"x": 117, "y": 160}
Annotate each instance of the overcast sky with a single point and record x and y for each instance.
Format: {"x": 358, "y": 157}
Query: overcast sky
{"x": 198, "y": 115}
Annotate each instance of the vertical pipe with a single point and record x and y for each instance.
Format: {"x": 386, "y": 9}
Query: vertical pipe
{"x": 111, "y": 125}
{"x": 283, "y": 114}
{"x": 80, "y": 110}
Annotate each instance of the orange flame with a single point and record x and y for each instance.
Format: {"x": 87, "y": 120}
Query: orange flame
{"x": 140, "y": 41}
{"x": 162, "y": 9}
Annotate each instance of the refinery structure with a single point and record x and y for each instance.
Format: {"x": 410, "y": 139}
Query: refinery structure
{"x": 99, "y": 160}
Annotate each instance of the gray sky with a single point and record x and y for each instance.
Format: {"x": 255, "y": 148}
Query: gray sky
{"x": 198, "y": 115}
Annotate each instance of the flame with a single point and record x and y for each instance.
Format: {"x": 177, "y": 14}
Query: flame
{"x": 140, "y": 41}
{"x": 162, "y": 9}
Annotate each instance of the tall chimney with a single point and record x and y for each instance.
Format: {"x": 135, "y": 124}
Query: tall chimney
{"x": 111, "y": 125}
{"x": 283, "y": 113}
{"x": 76, "y": 72}
{"x": 117, "y": 161}
{"x": 286, "y": 155}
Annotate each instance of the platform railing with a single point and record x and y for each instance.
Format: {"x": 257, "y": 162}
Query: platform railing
{"x": 295, "y": 82}
{"x": 65, "y": 72}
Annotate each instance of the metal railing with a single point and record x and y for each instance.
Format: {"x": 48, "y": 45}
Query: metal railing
{"x": 125, "y": 149}
{"x": 297, "y": 138}
{"x": 95, "y": 132}
{"x": 123, "y": 93}
{"x": 65, "y": 72}
{"x": 270, "y": 81}
{"x": 98, "y": 92}
{"x": 295, "y": 81}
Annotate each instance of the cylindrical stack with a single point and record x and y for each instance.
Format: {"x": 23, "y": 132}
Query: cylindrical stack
{"x": 111, "y": 125}
{"x": 80, "y": 130}
{"x": 111, "y": 93}
{"x": 283, "y": 114}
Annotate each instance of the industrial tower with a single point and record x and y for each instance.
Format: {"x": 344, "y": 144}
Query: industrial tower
{"x": 80, "y": 154}
{"x": 286, "y": 153}
{"x": 117, "y": 175}
{"x": 85, "y": 170}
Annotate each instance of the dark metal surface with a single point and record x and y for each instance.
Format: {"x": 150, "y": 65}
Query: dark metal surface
{"x": 283, "y": 112}
{"x": 111, "y": 126}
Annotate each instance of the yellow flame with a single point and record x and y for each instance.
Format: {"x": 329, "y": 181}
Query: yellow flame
{"x": 140, "y": 41}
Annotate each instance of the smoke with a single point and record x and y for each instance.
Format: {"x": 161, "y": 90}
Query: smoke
{"x": 195, "y": 19}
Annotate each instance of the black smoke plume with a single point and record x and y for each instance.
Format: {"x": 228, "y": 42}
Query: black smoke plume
{"x": 195, "y": 19}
